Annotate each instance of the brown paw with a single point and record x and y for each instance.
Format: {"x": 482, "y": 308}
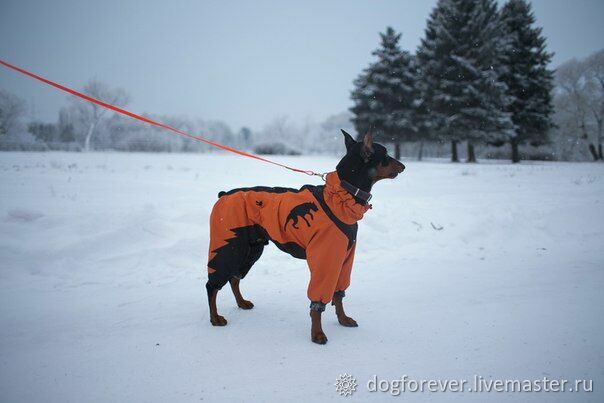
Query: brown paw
{"x": 347, "y": 321}
{"x": 218, "y": 321}
{"x": 245, "y": 304}
{"x": 319, "y": 338}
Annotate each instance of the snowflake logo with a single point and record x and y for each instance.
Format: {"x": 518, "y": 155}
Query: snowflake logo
{"x": 346, "y": 385}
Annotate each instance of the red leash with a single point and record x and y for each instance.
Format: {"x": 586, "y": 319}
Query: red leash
{"x": 150, "y": 121}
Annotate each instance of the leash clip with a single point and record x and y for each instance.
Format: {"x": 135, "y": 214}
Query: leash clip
{"x": 313, "y": 173}
{"x": 321, "y": 175}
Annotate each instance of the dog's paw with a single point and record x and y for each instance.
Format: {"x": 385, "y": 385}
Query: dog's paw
{"x": 319, "y": 338}
{"x": 347, "y": 321}
{"x": 218, "y": 321}
{"x": 245, "y": 304}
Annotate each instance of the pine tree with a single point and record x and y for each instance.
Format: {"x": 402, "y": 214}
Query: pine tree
{"x": 364, "y": 116}
{"x": 461, "y": 64}
{"x": 385, "y": 95}
{"x": 528, "y": 79}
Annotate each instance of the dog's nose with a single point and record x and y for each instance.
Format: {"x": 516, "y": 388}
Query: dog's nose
{"x": 401, "y": 167}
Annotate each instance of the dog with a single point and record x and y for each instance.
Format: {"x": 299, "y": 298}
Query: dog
{"x": 316, "y": 223}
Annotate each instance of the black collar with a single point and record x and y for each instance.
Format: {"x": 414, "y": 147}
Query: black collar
{"x": 355, "y": 191}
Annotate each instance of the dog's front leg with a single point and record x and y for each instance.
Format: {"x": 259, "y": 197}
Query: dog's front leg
{"x": 316, "y": 331}
{"x": 342, "y": 318}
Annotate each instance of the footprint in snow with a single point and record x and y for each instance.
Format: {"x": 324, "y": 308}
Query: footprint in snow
{"x": 19, "y": 215}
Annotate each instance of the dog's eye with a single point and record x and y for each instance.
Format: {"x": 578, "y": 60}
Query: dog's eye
{"x": 385, "y": 161}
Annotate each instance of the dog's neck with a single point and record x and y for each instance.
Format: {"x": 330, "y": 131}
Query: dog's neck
{"x": 359, "y": 194}
{"x": 356, "y": 181}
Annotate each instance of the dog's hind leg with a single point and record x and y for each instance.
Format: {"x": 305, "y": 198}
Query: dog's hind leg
{"x": 241, "y": 302}
{"x": 215, "y": 319}
{"x": 253, "y": 254}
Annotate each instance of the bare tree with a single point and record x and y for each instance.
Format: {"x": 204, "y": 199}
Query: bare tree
{"x": 573, "y": 99}
{"x": 594, "y": 69}
{"x": 89, "y": 114}
{"x": 12, "y": 109}
{"x": 278, "y": 128}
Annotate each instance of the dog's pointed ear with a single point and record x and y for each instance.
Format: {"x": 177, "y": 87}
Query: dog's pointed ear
{"x": 348, "y": 140}
{"x": 368, "y": 142}
{"x": 367, "y": 150}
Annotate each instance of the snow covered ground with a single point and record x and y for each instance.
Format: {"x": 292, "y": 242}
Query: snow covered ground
{"x": 489, "y": 269}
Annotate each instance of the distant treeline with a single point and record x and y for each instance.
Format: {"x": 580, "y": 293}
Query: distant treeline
{"x": 82, "y": 126}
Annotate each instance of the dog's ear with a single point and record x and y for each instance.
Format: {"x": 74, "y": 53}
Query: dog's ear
{"x": 348, "y": 140}
{"x": 367, "y": 149}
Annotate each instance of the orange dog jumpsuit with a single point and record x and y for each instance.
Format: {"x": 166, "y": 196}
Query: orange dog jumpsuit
{"x": 316, "y": 223}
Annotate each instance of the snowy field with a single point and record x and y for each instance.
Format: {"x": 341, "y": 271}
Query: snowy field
{"x": 490, "y": 269}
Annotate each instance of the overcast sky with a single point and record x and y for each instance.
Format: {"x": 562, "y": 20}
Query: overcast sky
{"x": 243, "y": 62}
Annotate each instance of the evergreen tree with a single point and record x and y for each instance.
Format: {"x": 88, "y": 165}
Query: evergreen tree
{"x": 424, "y": 123}
{"x": 364, "y": 116}
{"x": 385, "y": 95}
{"x": 461, "y": 64}
{"x": 528, "y": 79}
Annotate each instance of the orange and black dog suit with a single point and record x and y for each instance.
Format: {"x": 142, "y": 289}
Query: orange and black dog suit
{"x": 316, "y": 223}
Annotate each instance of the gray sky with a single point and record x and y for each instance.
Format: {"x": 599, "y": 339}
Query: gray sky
{"x": 243, "y": 62}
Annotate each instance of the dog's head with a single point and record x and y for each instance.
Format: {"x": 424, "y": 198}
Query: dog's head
{"x": 366, "y": 162}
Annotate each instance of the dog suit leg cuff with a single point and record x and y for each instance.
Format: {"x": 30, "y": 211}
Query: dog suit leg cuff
{"x": 317, "y": 306}
{"x": 339, "y": 294}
